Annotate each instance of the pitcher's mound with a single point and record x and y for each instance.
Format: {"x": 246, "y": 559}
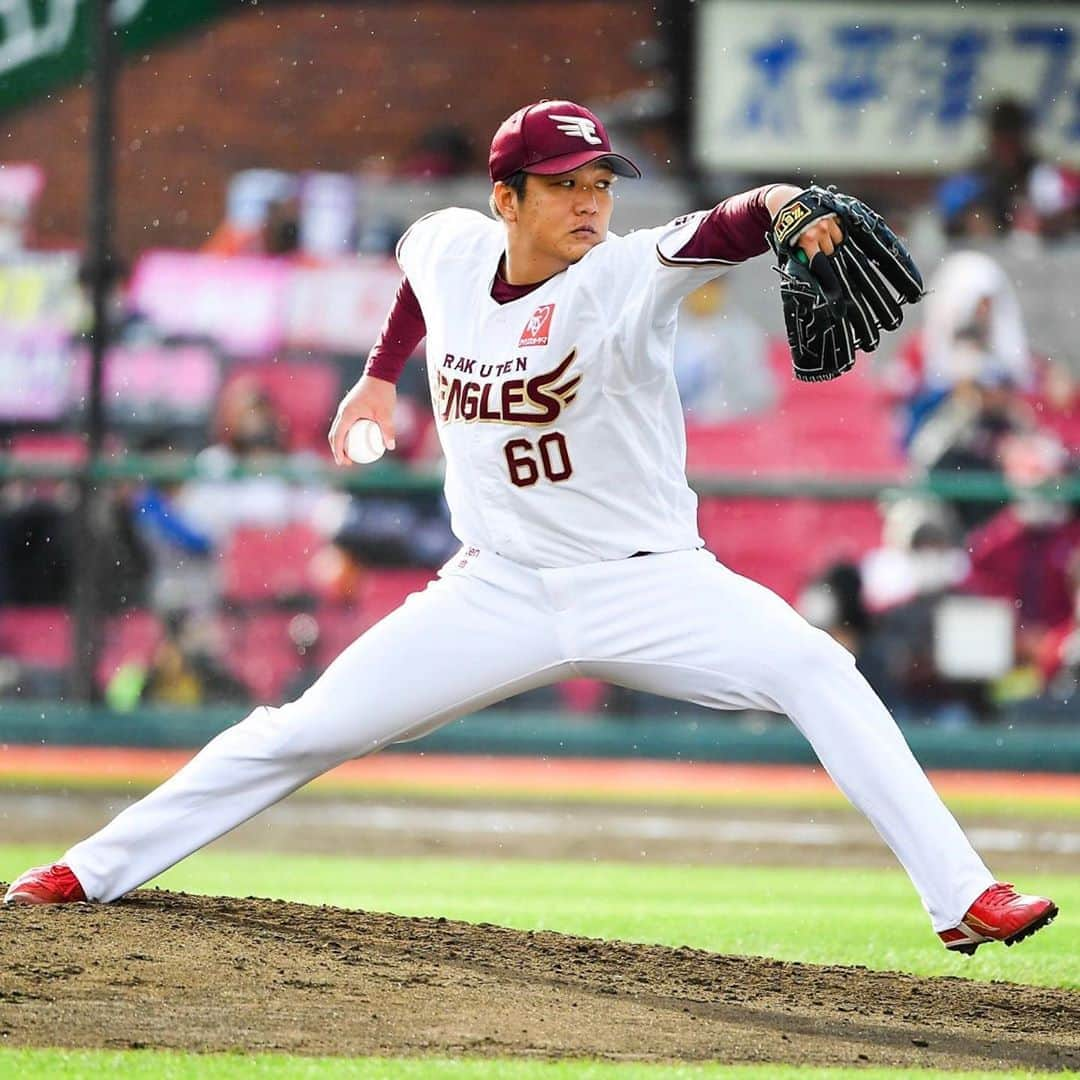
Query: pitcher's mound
{"x": 201, "y": 973}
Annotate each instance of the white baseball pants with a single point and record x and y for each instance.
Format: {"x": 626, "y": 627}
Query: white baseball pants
{"x": 679, "y": 624}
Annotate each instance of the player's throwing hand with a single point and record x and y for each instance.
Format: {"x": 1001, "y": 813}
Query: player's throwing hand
{"x": 370, "y": 399}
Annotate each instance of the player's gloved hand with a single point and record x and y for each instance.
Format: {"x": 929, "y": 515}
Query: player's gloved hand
{"x": 370, "y": 399}
{"x": 839, "y": 301}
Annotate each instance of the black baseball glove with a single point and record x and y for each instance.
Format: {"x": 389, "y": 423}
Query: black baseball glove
{"x": 840, "y": 302}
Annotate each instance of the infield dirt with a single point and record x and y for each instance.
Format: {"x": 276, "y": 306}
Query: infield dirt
{"x": 168, "y": 970}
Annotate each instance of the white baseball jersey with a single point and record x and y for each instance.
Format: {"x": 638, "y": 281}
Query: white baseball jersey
{"x": 558, "y": 412}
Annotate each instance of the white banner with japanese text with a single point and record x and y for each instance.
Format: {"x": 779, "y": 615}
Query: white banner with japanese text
{"x": 878, "y": 86}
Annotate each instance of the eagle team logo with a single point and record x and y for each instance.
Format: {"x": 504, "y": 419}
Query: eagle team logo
{"x": 537, "y": 401}
{"x": 581, "y": 127}
{"x": 538, "y": 327}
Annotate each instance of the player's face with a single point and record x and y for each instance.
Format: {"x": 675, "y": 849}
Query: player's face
{"x": 566, "y": 215}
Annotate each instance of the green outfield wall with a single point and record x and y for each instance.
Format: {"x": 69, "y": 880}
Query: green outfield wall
{"x": 393, "y": 477}
{"x": 732, "y": 738}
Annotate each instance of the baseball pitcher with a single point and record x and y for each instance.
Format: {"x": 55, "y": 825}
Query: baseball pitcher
{"x": 549, "y": 358}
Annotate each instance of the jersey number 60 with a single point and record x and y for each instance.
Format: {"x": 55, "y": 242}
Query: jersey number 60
{"x": 525, "y": 461}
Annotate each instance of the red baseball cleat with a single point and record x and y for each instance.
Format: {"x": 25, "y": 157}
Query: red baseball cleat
{"x": 54, "y": 884}
{"x": 999, "y": 914}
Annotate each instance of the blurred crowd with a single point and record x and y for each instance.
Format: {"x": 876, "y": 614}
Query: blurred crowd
{"x": 242, "y": 579}
{"x": 1011, "y": 189}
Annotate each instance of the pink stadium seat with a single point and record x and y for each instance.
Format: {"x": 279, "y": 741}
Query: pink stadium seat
{"x": 783, "y": 543}
{"x": 842, "y": 428}
{"x": 582, "y": 695}
{"x": 339, "y": 626}
{"x": 129, "y": 638}
{"x": 381, "y": 592}
{"x": 59, "y": 447}
{"x": 305, "y": 395}
{"x": 37, "y": 637}
{"x": 261, "y": 655}
{"x": 1061, "y": 419}
{"x": 384, "y": 590}
{"x": 261, "y": 565}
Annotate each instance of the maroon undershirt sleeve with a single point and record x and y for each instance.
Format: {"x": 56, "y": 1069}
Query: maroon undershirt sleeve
{"x": 734, "y": 231}
{"x": 402, "y": 331}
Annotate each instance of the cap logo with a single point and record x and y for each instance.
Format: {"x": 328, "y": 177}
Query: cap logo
{"x": 581, "y": 127}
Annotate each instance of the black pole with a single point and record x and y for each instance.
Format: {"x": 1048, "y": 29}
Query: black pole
{"x": 98, "y": 272}
{"x": 680, "y": 25}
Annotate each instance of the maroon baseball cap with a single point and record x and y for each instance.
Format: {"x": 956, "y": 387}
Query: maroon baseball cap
{"x": 551, "y": 137}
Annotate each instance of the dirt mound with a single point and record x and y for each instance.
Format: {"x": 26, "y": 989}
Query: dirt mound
{"x": 204, "y": 973}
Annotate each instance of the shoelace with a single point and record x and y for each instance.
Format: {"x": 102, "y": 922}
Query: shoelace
{"x": 1000, "y": 895}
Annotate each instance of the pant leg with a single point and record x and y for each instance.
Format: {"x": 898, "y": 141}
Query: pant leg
{"x": 696, "y": 631}
{"x": 460, "y": 645}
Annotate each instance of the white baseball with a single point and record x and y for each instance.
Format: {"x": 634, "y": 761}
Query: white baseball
{"x": 364, "y": 442}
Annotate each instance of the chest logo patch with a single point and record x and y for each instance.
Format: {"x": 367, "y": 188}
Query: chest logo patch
{"x": 538, "y": 328}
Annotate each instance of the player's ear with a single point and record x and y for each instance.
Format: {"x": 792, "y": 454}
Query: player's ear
{"x": 504, "y": 201}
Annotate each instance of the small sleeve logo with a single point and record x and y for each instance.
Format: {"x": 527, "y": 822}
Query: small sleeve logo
{"x": 788, "y": 220}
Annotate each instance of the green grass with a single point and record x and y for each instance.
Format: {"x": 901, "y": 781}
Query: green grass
{"x": 855, "y": 916}
{"x": 155, "y": 1065}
